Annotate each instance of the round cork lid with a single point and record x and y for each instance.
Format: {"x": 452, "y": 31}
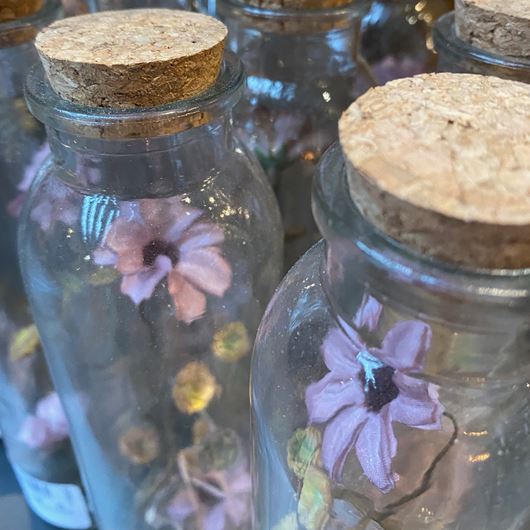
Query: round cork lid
{"x": 441, "y": 162}
{"x": 498, "y": 26}
{"x": 16, "y": 9}
{"x": 132, "y": 58}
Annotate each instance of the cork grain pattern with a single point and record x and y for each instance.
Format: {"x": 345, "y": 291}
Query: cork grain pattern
{"x": 134, "y": 58}
{"x": 442, "y": 163}
{"x": 497, "y": 26}
{"x": 16, "y": 9}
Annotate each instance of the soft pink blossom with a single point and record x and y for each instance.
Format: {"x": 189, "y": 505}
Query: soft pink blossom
{"x": 217, "y": 500}
{"x": 367, "y": 389}
{"x": 47, "y": 426}
{"x": 157, "y": 239}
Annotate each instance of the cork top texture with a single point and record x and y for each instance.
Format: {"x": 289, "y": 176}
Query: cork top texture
{"x": 498, "y": 26}
{"x": 132, "y": 58}
{"x": 16, "y": 9}
{"x": 441, "y": 162}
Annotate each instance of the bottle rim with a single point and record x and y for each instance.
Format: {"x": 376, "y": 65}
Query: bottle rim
{"x": 447, "y": 41}
{"x": 339, "y": 218}
{"x": 164, "y": 120}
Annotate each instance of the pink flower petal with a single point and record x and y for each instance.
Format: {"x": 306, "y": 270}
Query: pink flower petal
{"x": 35, "y": 433}
{"x": 215, "y": 518}
{"x": 331, "y": 394}
{"x": 417, "y": 404}
{"x": 51, "y": 411}
{"x": 201, "y": 235}
{"x": 376, "y": 446}
{"x": 190, "y": 303}
{"x": 126, "y": 237}
{"x": 206, "y": 269}
{"x": 140, "y": 286}
{"x": 406, "y": 345}
{"x": 368, "y": 314}
{"x": 339, "y": 438}
{"x": 42, "y": 214}
{"x": 339, "y": 354}
{"x": 181, "y": 507}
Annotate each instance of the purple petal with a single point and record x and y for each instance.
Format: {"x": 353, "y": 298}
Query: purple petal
{"x": 376, "y": 447}
{"x": 339, "y": 438}
{"x": 417, "y": 404}
{"x": 104, "y": 257}
{"x": 35, "y": 433}
{"x": 215, "y": 518}
{"x": 368, "y": 314}
{"x": 140, "y": 286}
{"x": 329, "y": 395}
{"x": 183, "y": 218}
{"x": 339, "y": 354}
{"x": 201, "y": 235}
{"x": 406, "y": 345}
{"x": 51, "y": 411}
{"x": 181, "y": 507}
{"x": 206, "y": 269}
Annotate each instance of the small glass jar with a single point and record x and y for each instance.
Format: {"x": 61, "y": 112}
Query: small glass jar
{"x": 32, "y": 421}
{"x": 457, "y": 452}
{"x": 456, "y": 55}
{"x": 302, "y": 74}
{"x": 397, "y": 37}
{"x": 155, "y": 240}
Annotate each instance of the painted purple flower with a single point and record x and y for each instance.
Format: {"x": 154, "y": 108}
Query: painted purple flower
{"x": 218, "y": 500}
{"x": 47, "y": 426}
{"x": 367, "y": 389}
{"x": 57, "y": 203}
{"x": 153, "y": 239}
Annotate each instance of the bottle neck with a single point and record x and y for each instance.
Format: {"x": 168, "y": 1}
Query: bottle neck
{"x": 289, "y": 46}
{"x": 142, "y": 167}
{"x": 482, "y": 312}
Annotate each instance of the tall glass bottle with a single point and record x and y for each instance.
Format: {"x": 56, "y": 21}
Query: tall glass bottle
{"x": 390, "y": 377}
{"x": 154, "y": 239}
{"x": 32, "y": 421}
{"x": 301, "y": 60}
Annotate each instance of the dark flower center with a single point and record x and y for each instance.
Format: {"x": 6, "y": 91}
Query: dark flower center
{"x": 378, "y": 382}
{"x": 156, "y": 248}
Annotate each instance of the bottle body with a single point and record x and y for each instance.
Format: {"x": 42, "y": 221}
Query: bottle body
{"x": 32, "y": 421}
{"x": 384, "y": 401}
{"x": 105, "y": 5}
{"x": 158, "y": 256}
{"x": 455, "y": 55}
{"x": 301, "y": 75}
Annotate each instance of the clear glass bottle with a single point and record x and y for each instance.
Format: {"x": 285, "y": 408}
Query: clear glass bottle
{"x": 155, "y": 239}
{"x": 456, "y": 55}
{"x": 32, "y": 421}
{"x": 397, "y": 37}
{"x": 455, "y": 382}
{"x": 302, "y": 73}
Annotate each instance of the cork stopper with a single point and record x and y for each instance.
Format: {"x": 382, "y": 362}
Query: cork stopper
{"x": 298, "y": 4}
{"x": 498, "y": 26}
{"x": 441, "y": 163}
{"x": 132, "y": 58}
{"x": 16, "y": 9}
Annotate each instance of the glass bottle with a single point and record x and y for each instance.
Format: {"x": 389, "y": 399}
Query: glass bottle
{"x": 397, "y": 37}
{"x": 154, "y": 238}
{"x": 302, "y": 73}
{"x": 32, "y": 421}
{"x": 353, "y": 299}
{"x": 457, "y": 55}
{"x": 105, "y": 5}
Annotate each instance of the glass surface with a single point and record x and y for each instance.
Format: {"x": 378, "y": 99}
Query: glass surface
{"x": 154, "y": 239}
{"x": 32, "y": 421}
{"x": 302, "y": 74}
{"x": 106, "y": 5}
{"x": 456, "y": 55}
{"x": 389, "y": 392}
{"x": 397, "y": 37}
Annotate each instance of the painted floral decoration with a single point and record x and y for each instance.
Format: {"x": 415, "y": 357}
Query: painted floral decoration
{"x": 47, "y": 427}
{"x": 218, "y": 500}
{"x": 157, "y": 239}
{"x": 367, "y": 389}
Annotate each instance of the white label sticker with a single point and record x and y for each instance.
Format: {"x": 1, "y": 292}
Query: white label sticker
{"x": 61, "y": 505}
